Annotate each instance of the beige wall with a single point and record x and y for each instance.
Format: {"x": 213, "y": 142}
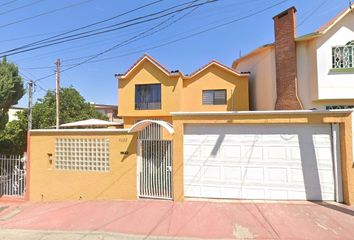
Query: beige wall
{"x": 317, "y": 85}
{"x": 306, "y": 74}
{"x": 262, "y": 79}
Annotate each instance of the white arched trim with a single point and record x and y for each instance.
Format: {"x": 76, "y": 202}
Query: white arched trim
{"x": 141, "y": 125}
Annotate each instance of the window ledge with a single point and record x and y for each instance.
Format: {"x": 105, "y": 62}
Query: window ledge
{"x": 341, "y": 70}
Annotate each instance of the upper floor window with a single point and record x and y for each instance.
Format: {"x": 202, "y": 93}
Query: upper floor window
{"x": 214, "y": 97}
{"x": 147, "y": 96}
{"x": 343, "y": 56}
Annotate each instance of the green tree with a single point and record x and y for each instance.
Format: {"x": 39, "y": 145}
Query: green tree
{"x": 11, "y": 89}
{"x": 73, "y": 107}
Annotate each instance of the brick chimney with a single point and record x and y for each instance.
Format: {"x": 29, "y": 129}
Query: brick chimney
{"x": 285, "y": 60}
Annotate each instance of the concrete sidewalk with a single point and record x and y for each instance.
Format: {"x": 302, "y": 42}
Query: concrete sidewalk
{"x": 147, "y": 219}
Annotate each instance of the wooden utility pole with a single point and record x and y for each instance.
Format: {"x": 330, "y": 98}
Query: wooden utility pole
{"x": 30, "y": 95}
{"x": 57, "y": 92}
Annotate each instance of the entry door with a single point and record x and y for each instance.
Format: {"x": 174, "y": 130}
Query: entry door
{"x": 155, "y": 168}
{"x": 279, "y": 161}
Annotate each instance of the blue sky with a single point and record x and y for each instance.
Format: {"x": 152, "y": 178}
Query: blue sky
{"x": 96, "y": 80}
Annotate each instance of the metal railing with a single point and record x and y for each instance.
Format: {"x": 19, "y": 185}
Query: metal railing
{"x": 12, "y": 175}
{"x": 147, "y": 105}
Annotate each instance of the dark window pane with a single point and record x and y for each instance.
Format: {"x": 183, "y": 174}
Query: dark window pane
{"x": 208, "y": 97}
{"x": 214, "y": 97}
{"x": 148, "y": 96}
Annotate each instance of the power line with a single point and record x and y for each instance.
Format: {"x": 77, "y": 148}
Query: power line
{"x": 64, "y": 31}
{"x": 188, "y": 36}
{"x": 94, "y": 24}
{"x": 98, "y": 32}
{"x": 79, "y": 47}
{"x": 21, "y": 7}
{"x": 100, "y": 43}
{"x": 84, "y": 27}
{"x": 185, "y": 37}
{"x": 7, "y": 3}
{"x": 138, "y": 37}
{"x": 312, "y": 12}
{"x": 45, "y": 13}
{"x": 135, "y": 38}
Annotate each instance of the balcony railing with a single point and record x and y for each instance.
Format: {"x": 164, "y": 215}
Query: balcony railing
{"x": 147, "y": 105}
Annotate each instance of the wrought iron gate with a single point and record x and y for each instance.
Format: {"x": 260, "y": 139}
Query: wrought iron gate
{"x": 12, "y": 175}
{"x": 155, "y": 165}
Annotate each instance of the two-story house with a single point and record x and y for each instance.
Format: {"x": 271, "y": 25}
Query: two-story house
{"x": 315, "y": 71}
{"x": 214, "y": 147}
{"x": 148, "y": 90}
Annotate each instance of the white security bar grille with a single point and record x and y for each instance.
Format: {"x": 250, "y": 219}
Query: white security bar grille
{"x": 82, "y": 154}
{"x": 155, "y": 164}
{"x": 151, "y": 132}
{"x": 343, "y": 56}
{"x": 12, "y": 175}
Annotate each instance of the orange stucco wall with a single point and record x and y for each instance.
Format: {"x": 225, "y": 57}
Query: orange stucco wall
{"x": 179, "y": 93}
{"x": 48, "y": 184}
{"x": 215, "y": 78}
{"x": 148, "y": 73}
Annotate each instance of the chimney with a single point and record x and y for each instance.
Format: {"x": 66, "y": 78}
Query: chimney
{"x": 285, "y": 61}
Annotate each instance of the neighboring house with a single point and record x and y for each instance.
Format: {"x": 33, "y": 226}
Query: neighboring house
{"x": 150, "y": 90}
{"x": 315, "y": 71}
{"x": 12, "y": 113}
{"x": 111, "y": 111}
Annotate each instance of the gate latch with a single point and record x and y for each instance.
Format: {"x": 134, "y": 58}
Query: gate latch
{"x": 169, "y": 168}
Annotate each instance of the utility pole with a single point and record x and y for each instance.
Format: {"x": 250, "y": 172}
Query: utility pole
{"x": 57, "y": 92}
{"x": 30, "y": 95}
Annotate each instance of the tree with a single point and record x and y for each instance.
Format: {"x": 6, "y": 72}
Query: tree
{"x": 73, "y": 107}
{"x": 11, "y": 89}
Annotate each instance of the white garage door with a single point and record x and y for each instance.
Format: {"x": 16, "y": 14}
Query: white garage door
{"x": 283, "y": 161}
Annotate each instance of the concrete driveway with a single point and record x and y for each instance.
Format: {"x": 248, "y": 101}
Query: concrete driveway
{"x": 151, "y": 219}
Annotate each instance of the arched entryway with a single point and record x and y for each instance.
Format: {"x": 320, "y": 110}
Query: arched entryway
{"x": 154, "y": 159}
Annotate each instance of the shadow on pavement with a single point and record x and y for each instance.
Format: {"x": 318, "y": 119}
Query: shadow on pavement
{"x": 335, "y": 207}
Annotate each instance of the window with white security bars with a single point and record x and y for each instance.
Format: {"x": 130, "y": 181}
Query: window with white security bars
{"x": 214, "y": 97}
{"x": 82, "y": 154}
{"x": 343, "y": 56}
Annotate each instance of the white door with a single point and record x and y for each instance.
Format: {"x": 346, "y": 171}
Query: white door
{"x": 268, "y": 161}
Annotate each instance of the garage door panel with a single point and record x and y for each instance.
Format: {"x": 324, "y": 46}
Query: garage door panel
{"x": 277, "y": 175}
{"x": 254, "y": 174}
{"x": 193, "y": 171}
{"x": 259, "y": 161}
{"x": 232, "y": 152}
{"x": 276, "y": 153}
{"x": 252, "y": 153}
{"x": 232, "y": 173}
{"x": 191, "y": 151}
{"x": 193, "y": 190}
{"x": 277, "y": 194}
{"x": 212, "y": 172}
